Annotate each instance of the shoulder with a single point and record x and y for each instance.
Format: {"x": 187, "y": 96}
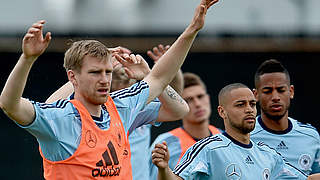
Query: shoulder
{"x": 214, "y": 142}
{"x": 54, "y": 116}
{"x": 58, "y": 108}
{"x": 168, "y": 137}
{"x": 134, "y": 96}
{"x": 130, "y": 91}
{"x": 60, "y": 104}
{"x": 200, "y": 151}
{"x": 261, "y": 146}
{"x": 305, "y": 129}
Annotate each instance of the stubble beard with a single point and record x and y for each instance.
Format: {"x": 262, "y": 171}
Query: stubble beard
{"x": 241, "y": 127}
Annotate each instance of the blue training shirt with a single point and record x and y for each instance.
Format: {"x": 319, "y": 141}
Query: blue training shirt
{"x": 299, "y": 144}
{"x": 57, "y": 126}
{"x": 222, "y": 157}
{"x": 139, "y": 140}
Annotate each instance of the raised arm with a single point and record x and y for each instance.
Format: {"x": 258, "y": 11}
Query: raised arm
{"x": 168, "y": 65}
{"x": 11, "y": 101}
{"x": 173, "y": 107}
{"x": 155, "y": 55}
{"x": 160, "y": 157}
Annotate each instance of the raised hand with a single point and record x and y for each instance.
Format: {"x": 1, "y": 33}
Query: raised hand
{"x": 34, "y": 44}
{"x": 134, "y": 65}
{"x": 200, "y": 13}
{"x": 160, "y": 155}
{"x": 157, "y": 52}
{"x": 120, "y": 50}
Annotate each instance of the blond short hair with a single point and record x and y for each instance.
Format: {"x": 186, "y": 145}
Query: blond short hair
{"x": 73, "y": 58}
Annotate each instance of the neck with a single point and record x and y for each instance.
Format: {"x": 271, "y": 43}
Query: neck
{"x": 93, "y": 109}
{"x": 198, "y": 131}
{"x": 277, "y": 125}
{"x": 235, "y": 134}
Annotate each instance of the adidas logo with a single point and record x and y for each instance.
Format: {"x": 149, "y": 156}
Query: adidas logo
{"x": 109, "y": 159}
{"x": 282, "y": 145}
{"x": 249, "y": 160}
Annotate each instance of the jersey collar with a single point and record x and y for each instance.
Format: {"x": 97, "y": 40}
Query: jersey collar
{"x": 274, "y": 131}
{"x": 237, "y": 142}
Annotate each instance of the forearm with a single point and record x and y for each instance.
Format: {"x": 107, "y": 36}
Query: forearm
{"x": 11, "y": 99}
{"x": 173, "y": 107}
{"x": 13, "y": 89}
{"x": 167, "y": 174}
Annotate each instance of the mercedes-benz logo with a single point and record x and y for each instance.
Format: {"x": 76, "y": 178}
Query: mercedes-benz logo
{"x": 233, "y": 172}
{"x": 91, "y": 139}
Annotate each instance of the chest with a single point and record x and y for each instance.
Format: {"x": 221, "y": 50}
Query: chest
{"x": 299, "y": 150}
{"x": 240, "y": 164}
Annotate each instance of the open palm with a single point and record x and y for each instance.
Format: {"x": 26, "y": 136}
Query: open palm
{"x": 134, "y": 65}
{"x": 34, "y": 44}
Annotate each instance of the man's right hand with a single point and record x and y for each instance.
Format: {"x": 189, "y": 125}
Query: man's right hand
{"x": 160, "y": 155}
{"x": 134, "y": 65}
{"x": 34, "y": 44}
{"x": 200, "y": 14}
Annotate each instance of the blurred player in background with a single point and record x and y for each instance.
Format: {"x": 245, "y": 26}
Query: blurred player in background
{"x": 195, "y": 125}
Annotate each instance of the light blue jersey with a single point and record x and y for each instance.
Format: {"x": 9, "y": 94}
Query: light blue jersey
{"x": 57, "y": 126}
{"x": 139, "y": 140}
{"x": 178, "y": 140}
{"x": 222, "y": 157}
{"x": 299, "y": 144}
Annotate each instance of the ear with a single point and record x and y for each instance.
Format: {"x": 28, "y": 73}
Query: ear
{"x": 72, "y": 77}
{"x": 221, "y": 112}
{"x": 291, "y": 91}
{"x": 255, "y": 93}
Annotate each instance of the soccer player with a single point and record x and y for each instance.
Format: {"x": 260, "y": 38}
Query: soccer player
{"x": 172, "y": 106}
{"x": 299, "y": 143}
{"x": 89, "y": 68}
{"x": 231, "y": 154}
{"x": 195, "y": 125}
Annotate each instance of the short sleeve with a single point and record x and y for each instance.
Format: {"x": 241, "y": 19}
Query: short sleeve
{"x": 193, "y": 164}
{"x": 57, "y": 129}
{"x": 148, "y": 115}
{"x": 130, "y": 102}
